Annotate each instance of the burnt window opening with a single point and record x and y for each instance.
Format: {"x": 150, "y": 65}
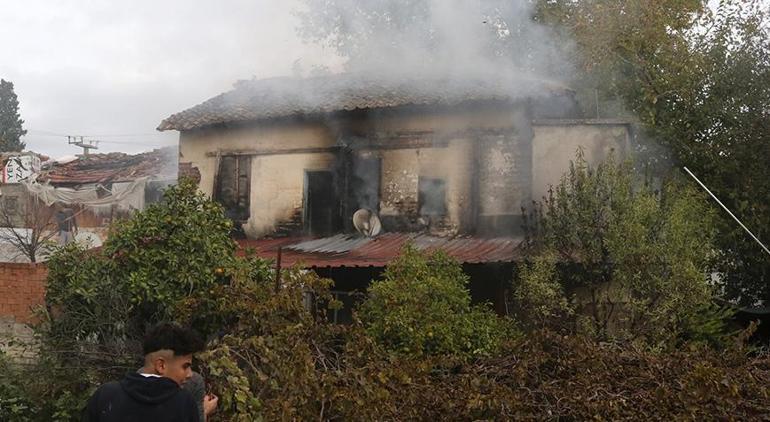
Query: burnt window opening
{"x": 432, "y": 197}
{"x": 321, "y": 211}
{"x": 233, "y": 186}
{"x": 364, "y": 185}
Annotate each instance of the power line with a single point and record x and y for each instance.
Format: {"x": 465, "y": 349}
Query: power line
{"x": 137, "y": 143}
{"x": 728, "y": 211}
{"x": 121, "y": 135}
{"x": 41, "y": 132}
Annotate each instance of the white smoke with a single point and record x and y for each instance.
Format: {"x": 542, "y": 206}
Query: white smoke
{"x": 438, "y": 38}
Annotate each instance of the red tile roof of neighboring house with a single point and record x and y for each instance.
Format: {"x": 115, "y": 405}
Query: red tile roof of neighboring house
{"x": 355, "y": 251}
{"x": 271, "y": 98}
{"x": 159, "y": 164}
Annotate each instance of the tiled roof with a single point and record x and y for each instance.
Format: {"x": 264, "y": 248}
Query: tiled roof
{"x": 159, "y": 164}
{"x": 281, "y": 97}
{"x": 355, "y": 251}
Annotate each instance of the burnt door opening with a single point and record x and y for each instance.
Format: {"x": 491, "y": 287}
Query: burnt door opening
{"x": 321, "y": 204}
{"x": 233, "y": 186}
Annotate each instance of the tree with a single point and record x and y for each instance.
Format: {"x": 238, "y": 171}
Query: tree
{"x": 640, "y": 257}
{"x": 32, "y": 238}
{"x": 699, "y": 81}
{"x": 160, "y": 265}
{"x": 11, "y": 129}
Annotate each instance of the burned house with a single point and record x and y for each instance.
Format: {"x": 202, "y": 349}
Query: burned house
{"x": 444, "y": 163}
{"x": 105, "y": 187}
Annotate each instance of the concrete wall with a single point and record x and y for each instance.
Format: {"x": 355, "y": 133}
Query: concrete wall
{"x": 493, "y": 139}
{"x": 555, "y": 144}
{"x": 194, "y": 145}
{"x": 277, "y": 180}
{"x": 277, "y": 186}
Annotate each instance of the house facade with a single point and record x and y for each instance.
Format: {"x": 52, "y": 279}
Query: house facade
{"x": 445, "y": 164}
{"x": 300, "y": 157}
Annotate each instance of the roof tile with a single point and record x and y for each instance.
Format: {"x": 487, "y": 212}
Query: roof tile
{"x": 282, "y": 97}
{"x": 159, "y": 164}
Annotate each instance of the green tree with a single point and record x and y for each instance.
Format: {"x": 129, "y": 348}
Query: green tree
{"x": 699, "y": 81}
{"x": 162, "y": 264}
{"x": 11, "y": 129}
{"x": 422, "y": 307}
{"x": 640, "y": 256}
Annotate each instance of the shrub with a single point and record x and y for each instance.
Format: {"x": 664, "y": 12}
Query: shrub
{"x": 539, "y": 296}
{"x": 422, "y": 307}
{"x": 15, "y": 403}
{"x": 641, "y": 256}
{"x": 162, "y": 264}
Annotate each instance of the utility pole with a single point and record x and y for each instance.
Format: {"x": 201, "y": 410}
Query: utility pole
{"x": 86, "y": 144}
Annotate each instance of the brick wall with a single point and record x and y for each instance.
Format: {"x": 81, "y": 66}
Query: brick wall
{"x": 22, "y": 286}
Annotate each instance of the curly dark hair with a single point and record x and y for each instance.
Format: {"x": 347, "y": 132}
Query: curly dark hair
{"x": 168, "y": 336}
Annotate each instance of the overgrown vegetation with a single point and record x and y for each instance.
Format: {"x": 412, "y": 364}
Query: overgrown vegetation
{"x": 417, "y": 348}
{"x": 422, "y": 307}
{"x": 639, "y": 256}
{"x": 698, "y": 79}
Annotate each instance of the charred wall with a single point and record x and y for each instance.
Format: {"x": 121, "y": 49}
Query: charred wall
{"x": 442, "y": 171}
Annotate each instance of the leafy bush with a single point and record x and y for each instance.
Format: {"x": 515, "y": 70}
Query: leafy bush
{"x": 539, "y": 295}
{"x": 174, "y": 249}
{"x": 422, "y": 307}
{"x": 15, "y": 403}
{"x": 642, "y": 255}
{"x": 162, "y": 264}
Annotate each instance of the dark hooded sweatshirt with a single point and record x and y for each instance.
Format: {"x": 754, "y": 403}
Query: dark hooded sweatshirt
{"x": 139, "y": 398}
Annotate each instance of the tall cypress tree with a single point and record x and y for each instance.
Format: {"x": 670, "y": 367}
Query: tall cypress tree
{"x": 10, "y": 121}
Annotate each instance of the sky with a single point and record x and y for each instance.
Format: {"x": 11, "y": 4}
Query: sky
{"x": 111, "y": 71}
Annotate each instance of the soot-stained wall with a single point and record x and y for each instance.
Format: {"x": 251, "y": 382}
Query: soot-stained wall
{"x": 486, "y": 162}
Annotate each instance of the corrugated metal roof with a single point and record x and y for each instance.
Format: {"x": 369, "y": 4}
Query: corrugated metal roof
{"x": 340, "y": 243}
{"x": 351, "y": 251}
{"x": 282, "y": 97}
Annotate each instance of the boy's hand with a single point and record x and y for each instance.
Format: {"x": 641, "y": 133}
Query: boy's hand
{"x": 210, "y": 402}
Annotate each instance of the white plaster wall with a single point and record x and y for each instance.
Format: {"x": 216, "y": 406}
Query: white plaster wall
{"x": 554, "y": 146}
{"x": 277, "y": 187}
{"x": 194, "y": 145}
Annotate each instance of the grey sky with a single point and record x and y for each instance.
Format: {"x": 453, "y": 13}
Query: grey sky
{"x": 88, "y": 67}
